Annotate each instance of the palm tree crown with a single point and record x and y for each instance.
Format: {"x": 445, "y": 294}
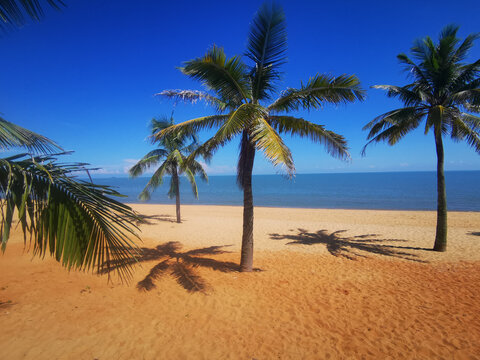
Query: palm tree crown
{"x": 171, "y": 156}
{"x": 247, "y": 104}
{"x": 444, "y": 92}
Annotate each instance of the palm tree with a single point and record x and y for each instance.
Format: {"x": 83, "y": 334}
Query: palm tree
{"x": 77, "y": 222}
{"x": 172, "y": 154}
{"x": 443, "y": 90}
{"x": 242, "y": 96}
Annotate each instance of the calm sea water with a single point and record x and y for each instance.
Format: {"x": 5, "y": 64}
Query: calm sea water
{"x": 395, "y": 191}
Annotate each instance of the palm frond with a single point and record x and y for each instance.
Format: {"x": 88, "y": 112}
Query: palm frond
{"x": 335, "y": 144}
{"x": 193, "y": 125}
{"x": 467, "y": 128}
{"x": 319, "y": 90}
{"x": 239, "y": 120}
{"x": 404, "y": 94}
{"x": 191, "y": 179}
{"x": 226, "y": 77}
{"x": 14, "y": 13}
{"x": 149, "y": 160}
{"x": 267, "y": 139}
{"x": 197, "y": 169}
{"x": 155, "y": 181}
{"x": 393, "y": 125}
{"x": 464, "y": 48}
{"x": 12, "y": 135}
{"x": 77, "y": 222}
{"x": 192, "y": 96}
{"x": 267, "y": 44}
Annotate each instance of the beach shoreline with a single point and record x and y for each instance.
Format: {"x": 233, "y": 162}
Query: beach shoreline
{"x": 330, "y": 284}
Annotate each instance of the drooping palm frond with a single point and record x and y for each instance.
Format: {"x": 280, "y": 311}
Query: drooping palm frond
{"x": 12, "y": 135}
{"x": 241, "y": 118}
{"x": 394, "y": 125}
{"x": 192, "y": 96}
{"x": 466, "y": 128}
{"x": 267, "y": 139}
{"x": 77, "y": 222}
{"x": 407, "y": 96}
{"x": 149, "y": 160}
{"x": 267, "y": 45}
{"x": 14, "y": 13}
{"x": 319, "y": 90}
{"x": 226, "y": 77}
{"x": 192, "y": 126}
{"x": 191, "y": 178}
{"x": 335, "y": 144}
{"x": 155, "y": 181}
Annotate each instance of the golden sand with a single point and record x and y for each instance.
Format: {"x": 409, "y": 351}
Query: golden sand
{"x": 333, "y": 284}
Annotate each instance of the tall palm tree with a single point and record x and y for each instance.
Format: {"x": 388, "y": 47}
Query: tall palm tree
{"x": 443, "y": 91}
{"x": 243, "y": 96}
{"x": 172, "y": 154}
{"x": 77, "y": 222}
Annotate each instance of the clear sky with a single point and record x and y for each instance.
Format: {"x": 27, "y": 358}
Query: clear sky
{"x": 86, "y": 76}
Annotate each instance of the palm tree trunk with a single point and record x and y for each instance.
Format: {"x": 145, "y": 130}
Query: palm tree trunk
{"x": 441, "y": 234}
{"x": 177, "y": 193}
{"x": 247, "y": 156}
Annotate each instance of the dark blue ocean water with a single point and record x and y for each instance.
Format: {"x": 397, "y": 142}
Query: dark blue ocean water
{"x": 395, "y": 191}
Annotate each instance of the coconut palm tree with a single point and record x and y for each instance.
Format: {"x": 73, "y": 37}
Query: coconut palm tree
{"x": 77, "y": 222}
{"x": 443, "y": 91}
{"x": 172, "y": 154}
{"x": 250, "y": 107}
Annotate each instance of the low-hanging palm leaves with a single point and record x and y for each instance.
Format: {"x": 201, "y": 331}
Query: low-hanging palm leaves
{"x": 242, "y": 95}
{"x": 443, "y": 91}
{"x": 171, "y": 155}
{"x": 12, "y": 135}
{"x": 14, "y": 13}
{"x": 75, "y": 221}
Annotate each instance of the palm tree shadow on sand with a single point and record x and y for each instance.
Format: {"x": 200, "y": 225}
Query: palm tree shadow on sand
{"x": 181, "y": 265}
{"x": 153, "y": 219}
{"x": 353, "y": 247}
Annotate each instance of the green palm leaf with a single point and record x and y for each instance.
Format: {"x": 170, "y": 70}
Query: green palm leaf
{"x": 227, "y": 77}
{"x": 319, "y": 90}
{"x": 12, "y": 135}
{"x": 16, "y": 12}
{"x": 77, "y": 222}
{"x": 267, "y": 45}
{"x": 192, "y": 126}
{"x": 335, "y": 144}
{"x": 267, "y": 139}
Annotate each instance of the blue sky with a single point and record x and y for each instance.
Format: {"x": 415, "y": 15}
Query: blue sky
{"x": 86, "y": 76}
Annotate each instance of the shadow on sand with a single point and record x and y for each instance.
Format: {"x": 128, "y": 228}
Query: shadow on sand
{"x": 475, "y": 233}
{"x": 181, "y": 265}
{"x": 153, "y": 219}
{"x": 353, "y": 247}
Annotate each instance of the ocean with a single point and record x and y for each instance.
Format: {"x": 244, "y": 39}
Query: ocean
{"x": 388, "y": 191}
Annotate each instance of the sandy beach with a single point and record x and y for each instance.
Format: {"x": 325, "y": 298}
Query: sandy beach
{"x": 330, "y": 284}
